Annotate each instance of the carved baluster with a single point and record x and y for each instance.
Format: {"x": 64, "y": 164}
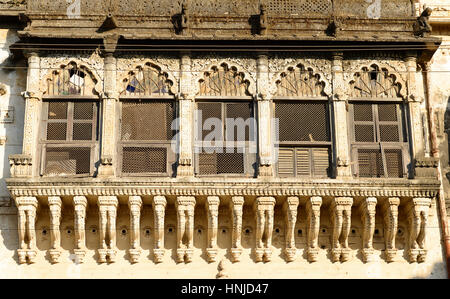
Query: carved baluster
{"x": 212, "y": 209}
{"x": 313, "y": 205}
{"x": 237, "y": 203}
{"x": 112, "y": 216}
{"x": 368, "y": 209}
{"x": 103, "y": 227}
{"x": 135, "y": 205}
{"x": 80, "y": 205}
{"x": 341, "y": 219}
{"x": 185, "y": 219}
{"x": 27, "y": 207}
{"x": 159, "y": 209}
{"x": 290, "y": 207}
{"x": 390, "y": 227}
{"x": 107, "y": 206}
{"x": 417, "y": 217}
{"x": 54, "y": 204}
{"x": 264, "y": 210}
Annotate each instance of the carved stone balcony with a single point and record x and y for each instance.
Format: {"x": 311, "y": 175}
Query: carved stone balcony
{"x": 340, "y": 221}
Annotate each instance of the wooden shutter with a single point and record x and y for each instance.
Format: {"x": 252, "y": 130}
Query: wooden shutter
{"x": 321, "y": 161}
{"x": 286, "y": 162}
{"x": 303, "y": 162}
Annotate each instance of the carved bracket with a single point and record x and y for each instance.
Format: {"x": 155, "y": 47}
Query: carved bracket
{"x": 80, "y": 206}
{"x": 27, "y": 209}
{"x": 236, "y": 206}
{"x": 159, "y": 209}
{"x": 264, "y": 210}
{"x": 340, "y": 211}
{"x": 55, "y": 204}
{"x": 390, "y": 227}
{"x": 185, "y": 227}
{"x": 417, "y": 211}
{"x": 313, "y": 205}
{"x": 290, "y": 207}
{"x": 212, "y": 209}
{"x": 367, "y": 210}
{"x": 135, "y": 206}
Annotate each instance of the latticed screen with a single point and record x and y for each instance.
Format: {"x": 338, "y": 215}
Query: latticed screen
{"x": 67, "y": 160}
{"x": 303, "y": 121}
{"x": 379, "y": 139}
{"x": 147, "y": 120}
{"x": 303, "y": 161}
{"x": 144, "y": 160}
{"x": 67, "y": 123}
{"x": 220, "y": 162}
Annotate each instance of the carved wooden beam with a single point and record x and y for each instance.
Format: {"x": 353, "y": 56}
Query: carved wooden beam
{"x": 159, "y": 208}
{"x": 236, "y": 205}
{"x": 54, "y": 204}
{"x": 313, "y": 205}
{"x": 212, "y": 210}
{"x": 368, "y": 209}
{"x": 390, "y": 227}
{"x": 290, "y": 207}
{"x": 341, "y": 208}
{"x": 135, "y": 206}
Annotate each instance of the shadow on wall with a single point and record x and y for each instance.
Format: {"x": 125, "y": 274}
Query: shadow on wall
{"x": 438, "y": 271}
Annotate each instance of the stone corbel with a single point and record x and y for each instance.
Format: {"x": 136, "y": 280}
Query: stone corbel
{"x": 106, "y": 166}
{"x": 264, "y": 211}
{"x": 159, "y": 210}
{"x": 367, "y": 210}
{"x": 417, "y": 211}
{"x": 340, "y": 212}
{"x": 236, "y": 206}
{"x": 313, "y": 205}
{"x": 135, "y": 206}
{"x": 107, "y": 206}
{"x": 184, "y": 18}
{"x": 212, "y": 210}
{"x": 390, "y": 227}
{"x": 27, "y": 210}
{"x": 55, "y": 204}
{"x": 20, "y": 165}
{"x": 290, "y": 207}
{"x": 263, "y": 23}
{"x": 185, "y": 227}
{"x": 80, "y": 207}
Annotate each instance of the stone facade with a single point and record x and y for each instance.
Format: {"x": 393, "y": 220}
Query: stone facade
{"x": 106, "y": 222}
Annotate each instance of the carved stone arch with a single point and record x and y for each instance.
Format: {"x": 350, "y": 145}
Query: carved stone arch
{"x": 224, "y": 79}
{"x": 300, "y": 80}
{"x": 376, "y": 81}
{"x": 147, "y": 79}
{"x": 71, "y": 78}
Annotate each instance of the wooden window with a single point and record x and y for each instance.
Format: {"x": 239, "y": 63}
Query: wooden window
{"x": 229, "y": 153}
{"x": 69, "y": 141}
{"x": 304, "y": 146}
{"x": 379, "y": 139}
{"x": 146, "y": 136}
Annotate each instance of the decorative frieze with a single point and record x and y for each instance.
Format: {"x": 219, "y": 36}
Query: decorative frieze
{"x": 313, "y": 205}
{"x": 340, "y": 213}
{"x": 264, "y": 211}
{"x": 185, "y": 227}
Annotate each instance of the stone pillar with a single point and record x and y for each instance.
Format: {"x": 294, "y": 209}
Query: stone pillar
{"x": 135, "y": 206}
{"x": 341, "y": 209}
{"x": 33, "y": 106}
{"x": 390, "y": 227}
{"x": 414, "y": 102}
{"x": 236, "y": 205}
{"x": 54, "y": 204}
{"x": 80, "y": 205}
{"x": 159, "y": 210}
{"x": 107, "y": 206}
{"x": 367, "y": 210}
{"x": 340, "y": 103}
{"x": 264, "y": 210}
{"x": 313, "y": 205}
{"x": 110, "y": 98}
{"x": 290, "y": 207}
{"x": 27, "y": 209}
{"x": 212, "y": 210}
{"x": 417, "y": 211}
{"x": 185, "y": 219}
{"x": 186, "y": 121}
{"x": 265, "y": 168}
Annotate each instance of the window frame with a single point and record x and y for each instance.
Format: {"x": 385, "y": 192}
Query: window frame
{"x": 93, "y": 144}
{"x": 249, "y": 159}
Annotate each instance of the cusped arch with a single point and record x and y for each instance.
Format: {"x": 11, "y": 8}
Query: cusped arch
{"x": 71, "y": 79}
{"x": 147, "y": 79}
{"x": 375, "y": 81}
{"x": 299, "y": 81}
{"x": 224, "y": 79}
